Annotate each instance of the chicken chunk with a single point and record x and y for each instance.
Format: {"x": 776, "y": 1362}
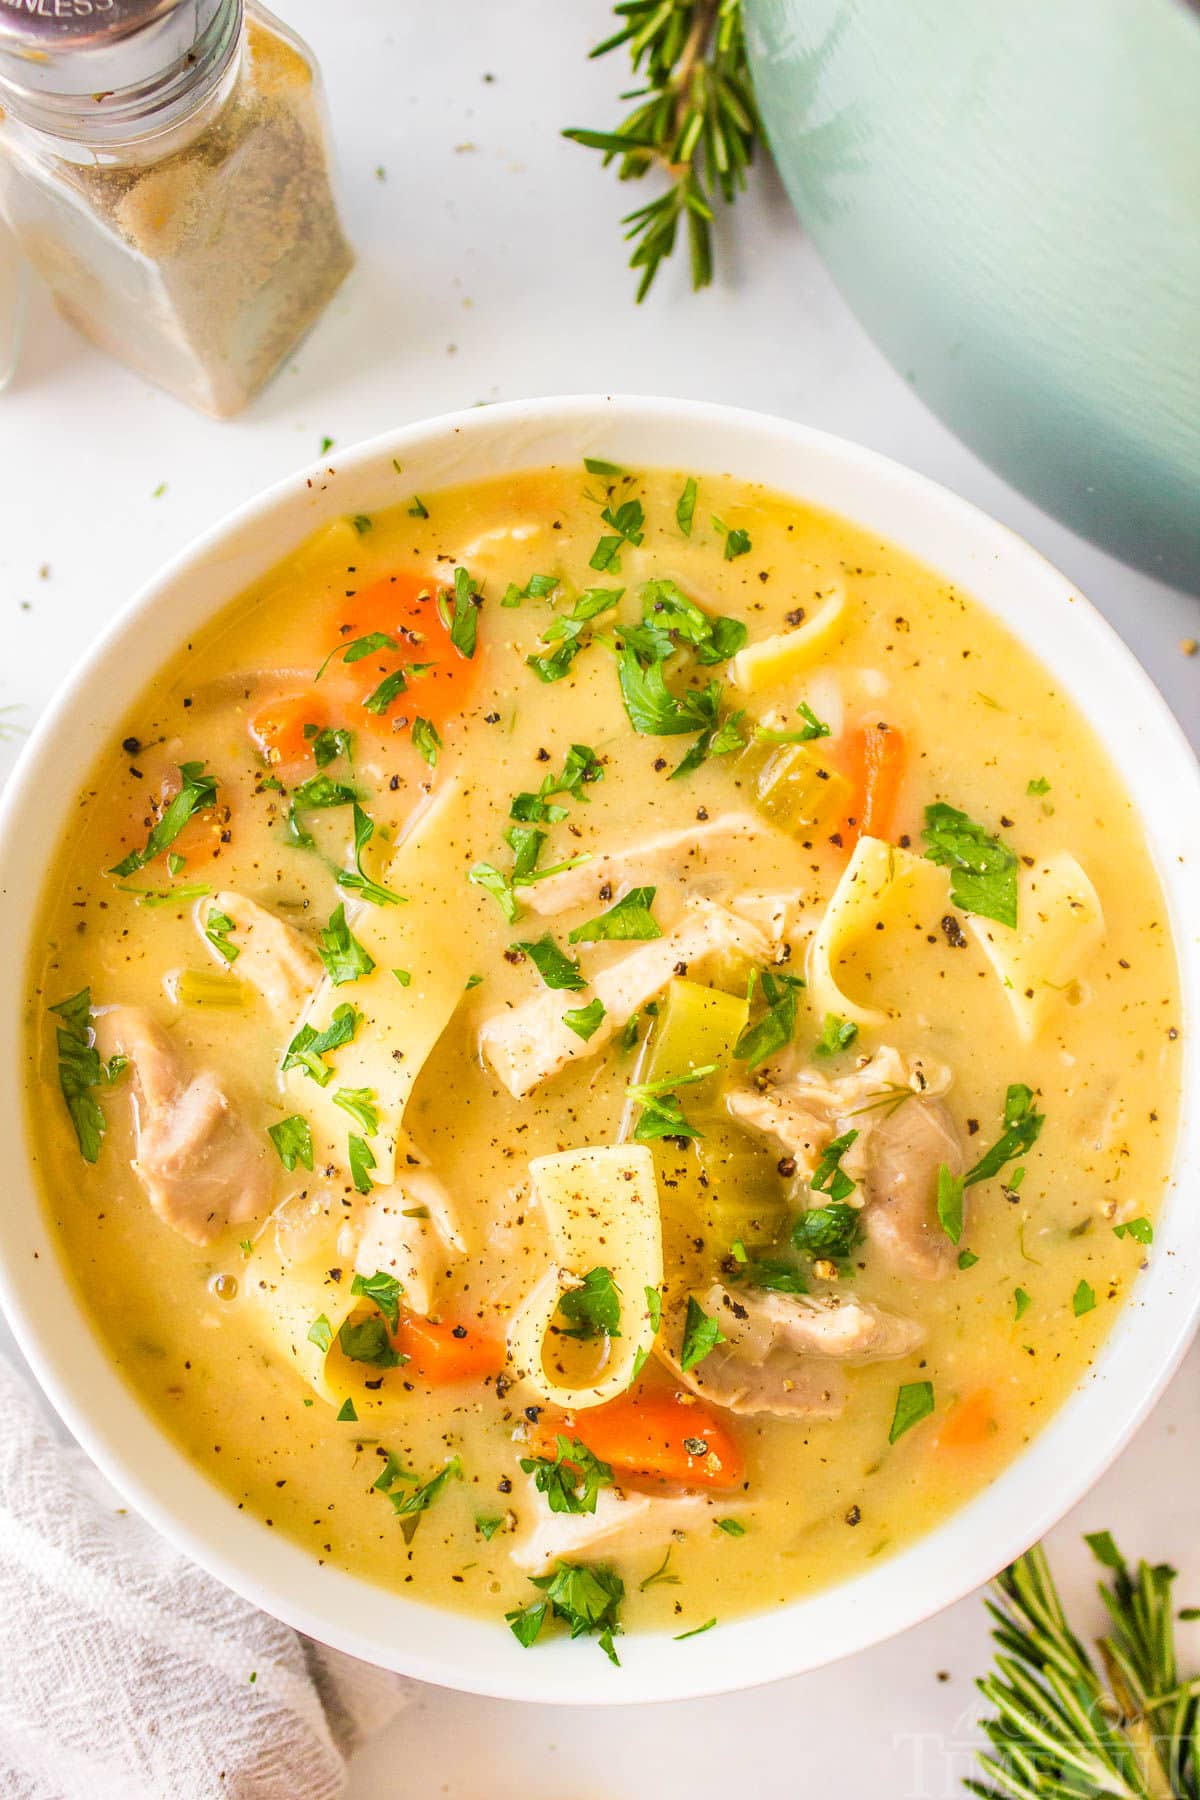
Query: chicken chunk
{"x": 679, "y": 853}
{"x": 407, "y": 1230}
{"x": 273, "y": 956}
{"x": 904, "y": 1153}
{"x": 528, "y": 1044}
{"x": 622, "y": 1523}
{"x": 832, "y": 1325}
{"x": 201, "y": 1166}
{"x": 783, "y": 1353}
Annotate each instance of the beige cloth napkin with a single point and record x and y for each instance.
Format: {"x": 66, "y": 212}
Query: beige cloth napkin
{"x": 126, "y": 1672}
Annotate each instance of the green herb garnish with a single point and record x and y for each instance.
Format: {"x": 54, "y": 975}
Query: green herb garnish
{"x": 585, "y": 1021}
{"x": 292, "y": 1139}
{"x": 344, "y": 957}
{"x": 81, "y": 1069}
{"x": 829, "y": 1177}
{"x": 701, "y": 1335}
{"x": 310, "y": 1046}
{"x": 196, "y": 792}
{"x": 552, "y": 963}
{"x": 914, "y": 1402}
{"x": 983, "y": 876}
{"x": 571, "y": 1478}
{"x": 594, "y": 1308}
{"x": 629, "y": 920}
{"x": 585, "y": 1596}
{"x": 776, "y": 1024}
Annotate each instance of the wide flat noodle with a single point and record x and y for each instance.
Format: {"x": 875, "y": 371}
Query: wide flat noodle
{"x": 1060, "y": 923}
{"x": 779, "y": 658}
{"x": 290, "y": 1284}
{"x": 432, "y": 936}
{"x": 877, "y": 881}
{"x": 601, "y": 1211}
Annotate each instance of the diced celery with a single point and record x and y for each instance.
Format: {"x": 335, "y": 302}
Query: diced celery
{"x": 793, "y": 786}
{"x": 200, "y": 987}
{"x": 696, "y": 1026}
{"x": 742, "y": 1196}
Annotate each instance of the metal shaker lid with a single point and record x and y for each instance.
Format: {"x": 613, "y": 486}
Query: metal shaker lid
{"x": 122, "y": 58}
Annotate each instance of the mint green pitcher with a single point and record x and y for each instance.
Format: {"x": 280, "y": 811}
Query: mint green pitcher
{"x": 1007, "y": 192}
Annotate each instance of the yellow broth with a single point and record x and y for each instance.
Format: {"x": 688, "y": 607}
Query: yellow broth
{"x": 982, "y": 720}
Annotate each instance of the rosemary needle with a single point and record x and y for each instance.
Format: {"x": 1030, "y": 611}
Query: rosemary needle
{"x": 695, "y": 122}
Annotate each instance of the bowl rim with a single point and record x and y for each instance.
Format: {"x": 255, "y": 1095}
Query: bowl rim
{"x": 1157, "y": 1320}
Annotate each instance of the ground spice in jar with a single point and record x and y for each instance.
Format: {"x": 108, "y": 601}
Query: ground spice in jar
{"x": 199, "y": 255}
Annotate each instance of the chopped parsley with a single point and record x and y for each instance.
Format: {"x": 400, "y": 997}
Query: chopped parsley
{"x": 461, "y": 616}
{"x": 685, "y": 506}
{"x": 670, "y": 621}
{"x": 1023, "y": 1124}
{"x": 629, "y": 920}
{"x": 426, "y": 741}
{"x": 775, "y": 1025}
{"x": 417, "y": 508}
{"x": 595, "y": 466}
{"x": 552, "y": 963}
{"x": 967, "y": 1259}
{"x": 698, "y": 1630}
{"x": 662, "y": 1116}
{"x": 829, "y": 1177}
{"x": 731, "y": 1527}
{"x": 701, "y": 1335}
{"x": 487, "y": 1527}
{"x": 320, "y": 1332}
{"x": 571, "y": 1478}
{"x": 488, "y": 877}
{"x": 318, "y": 794}
{"x": 585, "y": 1021}
{"x": 382, "y": 698}
{"x": 362, "y": 523}
{"x": 362, "y": 1161}
{"x": 367, "y": 1341}
{"x": 328, "y": 743}
{"x": 837, "y": 1035}
{"x": 628, "y": 527}
{"x": 1140, "y": 1229}
{"x": 831, "y": 1230}
{"x": 585, "y": 1596}
{"x": 293, "y": 1141}
{"x": 660, "y": 1577}
{"x": 346, "y": 1412}
{"x": 914, "y": 1402}
{"x": 356, "y": 880}
{"x": 1083, "y": 1299}
{"x": 594, "y": 1308}
{"x": 309, "y": 1046}
{"x": 737, "y": 543}
{"x": 81, "y": 1068}
{"x": 344, "y": 957}
{"x": 812, "y": 728}
{"x": 1040, "y": 786}
{"x": 359, "y": 1103}
{"x": 384, "y": 1290}
{"x": 581, "y": 768}
{"x": 565, "y": 632}
{"x": 197, "y": 791}
{"x": 1021, "y": 1303}
{"x": 358, "y": 648}
{"x": 950, "y": 1191}
{"x": 771, "y": 1273}
{"x": 983, "y": 876}
{"x": 217, "y": 927}
{"x": 409, "y": 1507}
{"x": 654, "y": 709}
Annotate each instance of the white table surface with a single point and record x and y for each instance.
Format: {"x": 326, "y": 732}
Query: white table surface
{"x": 491, "y": 268}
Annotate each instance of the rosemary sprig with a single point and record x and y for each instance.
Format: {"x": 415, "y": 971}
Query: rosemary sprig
{"x": 1067, "y": 1729}
{"x": 695, "y": 121}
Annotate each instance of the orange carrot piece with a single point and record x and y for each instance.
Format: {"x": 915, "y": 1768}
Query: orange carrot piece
{"x": 875, "y": 757}
{"x": 278, "y": 728}
{"x": 971, "y": 1423}
{"x": 669, "y": 1437}
{"x": 403, "y": 607}
{"x": 444, "y": 1352}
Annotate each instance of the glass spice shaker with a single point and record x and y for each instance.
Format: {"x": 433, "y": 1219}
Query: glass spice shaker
{"x": 165, "y": 166}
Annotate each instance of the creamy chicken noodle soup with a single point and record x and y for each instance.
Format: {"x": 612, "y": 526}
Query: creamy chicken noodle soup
{"x": 605, "y": 1051}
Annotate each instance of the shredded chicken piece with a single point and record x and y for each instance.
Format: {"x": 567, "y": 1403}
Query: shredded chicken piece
{"x": 904, "y": 1134}
{"x": 407, "y": 1230}
{"x": 784, "y": 1353}
{"x": 201, "y": 1166}
{"x": 528, "y": 1044}
{"x": 836, "y": 1325}
{"x": 904, "y": 1153}
{"x": 624, "y": 1521}
{"x": 680, "y": 853}
{"x": 273, "y": 956}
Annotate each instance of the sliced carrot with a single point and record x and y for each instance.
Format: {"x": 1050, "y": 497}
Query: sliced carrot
{"x": 445, "y": 1352}
{"x": 404, "y": 608}
{"x": 278, "y": 729}
{"x": 971, "y": 1423}
{"x": 669, "y": 1437}
{"x": 874, "y": 758}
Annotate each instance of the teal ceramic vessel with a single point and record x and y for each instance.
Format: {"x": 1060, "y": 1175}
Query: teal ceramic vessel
{"x": 1007, "y": 192}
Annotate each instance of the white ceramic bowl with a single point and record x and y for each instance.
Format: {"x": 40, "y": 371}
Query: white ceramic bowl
{"x": 1154, "y": 1326}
